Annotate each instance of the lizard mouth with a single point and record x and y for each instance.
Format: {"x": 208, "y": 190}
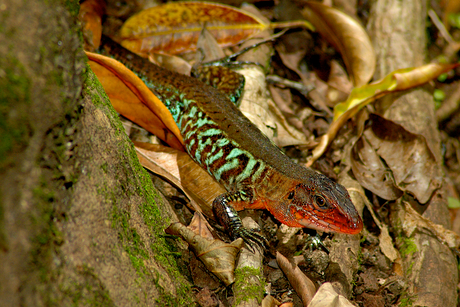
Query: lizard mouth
{"x": 348, "y": 225}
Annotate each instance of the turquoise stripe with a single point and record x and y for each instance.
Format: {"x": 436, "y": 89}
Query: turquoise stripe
{"x": 226, "y": 167}
{"x": 246, "y": 173}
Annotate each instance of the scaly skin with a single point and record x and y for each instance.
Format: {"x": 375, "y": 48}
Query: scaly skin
{"x": 256, "y": 173}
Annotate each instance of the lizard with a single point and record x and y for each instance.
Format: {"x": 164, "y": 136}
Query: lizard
{"x": 253, "y": 170}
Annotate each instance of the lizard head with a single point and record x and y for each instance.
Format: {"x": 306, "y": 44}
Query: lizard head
{"x": 321, "y": 204}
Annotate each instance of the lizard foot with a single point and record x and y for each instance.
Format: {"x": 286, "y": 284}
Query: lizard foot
{"x": 250, "y": 237}
{"x": 228, "y": 217}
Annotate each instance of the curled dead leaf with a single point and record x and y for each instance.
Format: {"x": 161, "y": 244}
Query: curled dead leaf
{"x": 270, "y": 301}
{"x": 218, "y": 257}
{"x": 134, "y": 100}
{"x": 304, "y": 287}
{"x": 407, "y": 156}
{"x": 328, "y": 297}
{"x": 348, "y": 36}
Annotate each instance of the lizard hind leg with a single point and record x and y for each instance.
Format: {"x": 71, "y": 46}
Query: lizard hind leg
{"x": 227, "y": 216}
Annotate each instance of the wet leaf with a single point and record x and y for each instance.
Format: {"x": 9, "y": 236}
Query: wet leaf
{"x": 218, "y": 257}
{"x": 133, "y": 99}
{"x": 180, "y": 170}
{"x": 303, "y": 286}
{"x": 174, "y": 27}
{"x": 398, "y": 80}
{"x": 347, "y": 36}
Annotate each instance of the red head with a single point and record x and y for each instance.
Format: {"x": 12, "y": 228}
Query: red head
{"x": 320, "y": 204}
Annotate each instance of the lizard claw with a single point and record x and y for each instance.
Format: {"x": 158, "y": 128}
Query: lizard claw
{"x": 227, "y": 216}
{"x": 250, "y": 237}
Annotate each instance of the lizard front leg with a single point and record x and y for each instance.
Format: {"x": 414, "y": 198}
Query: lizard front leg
{"x": 228, "y": 217}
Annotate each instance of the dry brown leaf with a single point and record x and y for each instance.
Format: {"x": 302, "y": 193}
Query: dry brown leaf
{"x": 303, "y": 286}
{"x": 291, "y": 60}
{"x": 260, "y": 109}
{"x": 413, "y": 166}
{"x": 398, "y": 80}
{"x": 256, "y": 103}
{"x": 338, "y": 82}
{"x": 179, "y": 169}
{"x": 413, "y": 220}
{"x": 218, "y": 257}
{"x": 348, "y": 36}
{"x": 385, "y": 240}
{"x": 283, "y": 100}
{"x": 270, "y": 301}
{"x": 371, "y": 172}
{"x": 134, "y": 100}
{"x": 327, "y": 297}
{"x": 200, "y": 226}
{"x": 209, "y": 49}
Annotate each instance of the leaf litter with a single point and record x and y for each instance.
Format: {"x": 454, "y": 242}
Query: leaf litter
{"x": 393, "y": 154}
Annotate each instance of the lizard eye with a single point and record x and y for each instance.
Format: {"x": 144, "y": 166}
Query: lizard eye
{"x": 320, "y": 201}
{"x": 291, "y": 195}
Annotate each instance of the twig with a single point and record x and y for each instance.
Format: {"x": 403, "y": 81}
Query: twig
{"x": 302, "y": 88}
{"x": 441, "y": 28}
{"x": 449, "y": 106}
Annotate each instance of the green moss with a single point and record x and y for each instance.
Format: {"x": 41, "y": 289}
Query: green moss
{"x": 104, "y": 167}
{"x": 406, "y": 300}
{"x": 14, "y": 94}
{"x": 48, "y": 236}
{"x": 243, "y": 277}
{"x": 140, "y": 184}
{"x": 129, "y": 238}
{"x": 73, "y": 6}
{"x": 408, "y": 247}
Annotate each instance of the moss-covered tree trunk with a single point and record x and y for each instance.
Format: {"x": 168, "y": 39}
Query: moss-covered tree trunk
{"x": 79, "y": 218}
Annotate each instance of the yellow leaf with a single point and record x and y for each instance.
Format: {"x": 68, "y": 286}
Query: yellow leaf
{"x": 401, "y": 79}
